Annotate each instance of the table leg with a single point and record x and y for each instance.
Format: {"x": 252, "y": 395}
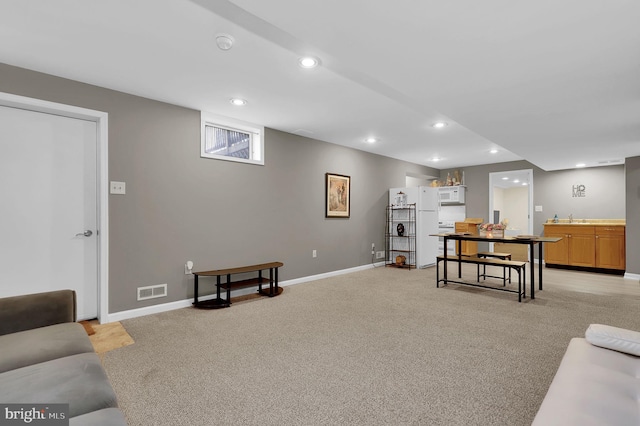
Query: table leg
{"x": 271, "y": 282}
{"x": 276, "y": 280}
{"x": 260, "y": 281}
{"x": 218, "y": 283}
{"x": 459, "y": 258}
{"x": 540, "y": 264}
{"x": 445, "y": 259}
{"x": 195, "y": 289}
{"x": 532, "y": 269}
{"x": 229, "y": 288}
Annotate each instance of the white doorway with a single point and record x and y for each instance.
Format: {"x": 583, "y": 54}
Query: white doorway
{"x": 511, "y": 200}
{"x": 51, "y": 217}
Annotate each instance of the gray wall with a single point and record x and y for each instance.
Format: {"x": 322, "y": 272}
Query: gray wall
{"x": 181, "y": 207}
{"x": 632, "y": 170}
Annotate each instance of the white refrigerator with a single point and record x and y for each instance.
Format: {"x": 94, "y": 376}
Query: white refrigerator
{"x": 426, "y": 200}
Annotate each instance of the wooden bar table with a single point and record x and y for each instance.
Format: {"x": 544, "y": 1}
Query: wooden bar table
{"x": 530, "y": 240}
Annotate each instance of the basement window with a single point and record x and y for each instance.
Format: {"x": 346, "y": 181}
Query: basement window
{"x": 228, "y": 139}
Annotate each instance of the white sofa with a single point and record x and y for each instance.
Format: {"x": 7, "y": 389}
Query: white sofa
{"x": 598, "y": 381}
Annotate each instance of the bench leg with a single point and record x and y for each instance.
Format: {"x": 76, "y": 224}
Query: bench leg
{"x": 504, "y": 276}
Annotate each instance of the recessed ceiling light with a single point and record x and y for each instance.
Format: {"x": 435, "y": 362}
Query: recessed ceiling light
{"x": 516, "y": 180}
{"x": 581, "y": 165}
{"x": 505, "y": 178}
{"x": 308, "y": 62}
{"x": 224, "y": 41}
{"x": 435, "y": 159}
{"x": 439, "y": 125}
{"x": 237, "y": 101}
{"x": 371, "y": 140}
{"x": 494, "y": 151}
{"x": 525, "y": 183}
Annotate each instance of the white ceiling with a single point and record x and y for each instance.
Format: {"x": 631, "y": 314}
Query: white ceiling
{"x": 552, "y": 82}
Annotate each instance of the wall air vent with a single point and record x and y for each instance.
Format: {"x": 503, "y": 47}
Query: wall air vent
{"x": 152, "y": 291}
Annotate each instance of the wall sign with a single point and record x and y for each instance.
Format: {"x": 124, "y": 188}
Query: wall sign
{"x": 579, "y": 191}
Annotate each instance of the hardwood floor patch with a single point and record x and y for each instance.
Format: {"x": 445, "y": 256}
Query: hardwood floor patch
{"x": 109, "y": 336}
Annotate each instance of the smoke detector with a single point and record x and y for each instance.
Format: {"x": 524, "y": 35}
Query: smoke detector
{"x": 224, "y": 41}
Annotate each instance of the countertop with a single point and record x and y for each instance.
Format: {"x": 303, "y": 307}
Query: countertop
{"x": 589, "y": 222}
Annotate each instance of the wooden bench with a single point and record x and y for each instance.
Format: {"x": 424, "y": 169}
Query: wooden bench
{"x": 228, "y": 285}
{"x": 516, "y": 265}
{"x": 498, "y": 255}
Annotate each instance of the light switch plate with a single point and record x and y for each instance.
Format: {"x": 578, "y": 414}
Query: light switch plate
{"x": 118, "y": 188}
{"x": 538, "y": 208}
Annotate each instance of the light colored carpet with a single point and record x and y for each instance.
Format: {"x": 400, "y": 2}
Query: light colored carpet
{"x": 378, "y": 347}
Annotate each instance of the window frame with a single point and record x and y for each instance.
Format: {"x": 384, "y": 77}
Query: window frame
{"x": 256, "y": 145}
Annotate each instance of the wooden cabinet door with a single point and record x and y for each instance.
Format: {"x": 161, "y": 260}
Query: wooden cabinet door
{"x": 610, "y": 247}
{"x": 557, "y": 253}
{"x": 582, "y": 250}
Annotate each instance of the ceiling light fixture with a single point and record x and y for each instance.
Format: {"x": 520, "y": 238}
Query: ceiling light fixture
{"x": 237, "y": 101}
{"x": 494, "y": 151}
{"x": 371, "y": 140}
{"x": 435, "y": 159}
{"x": 308, "y": 62}
{"x": 224, "y": 41}
{"x": 581, "y": 165}
{"x": 439, "y": 125}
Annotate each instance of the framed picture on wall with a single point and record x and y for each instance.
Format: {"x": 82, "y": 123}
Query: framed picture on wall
{"x": 338, "y": 195}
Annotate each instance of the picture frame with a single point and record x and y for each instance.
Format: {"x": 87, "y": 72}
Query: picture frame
{"x": 337, "y": 195}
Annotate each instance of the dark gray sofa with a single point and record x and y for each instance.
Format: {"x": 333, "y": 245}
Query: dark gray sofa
{"x": 47, "y": 358}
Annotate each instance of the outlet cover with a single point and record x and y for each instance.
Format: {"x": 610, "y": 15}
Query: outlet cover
{"x": 379, "y": 255}
{"x": 118, "y": 188}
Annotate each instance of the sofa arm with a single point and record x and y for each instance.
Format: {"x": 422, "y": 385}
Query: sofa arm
{"x": 20, "y": 313}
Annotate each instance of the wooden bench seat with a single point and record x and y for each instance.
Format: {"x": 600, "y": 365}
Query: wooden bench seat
{"x": 518, "y": 266}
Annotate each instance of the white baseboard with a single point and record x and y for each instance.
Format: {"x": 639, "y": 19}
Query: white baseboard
{"x": 164, "y": 307}
{"x": 628, "y": 276}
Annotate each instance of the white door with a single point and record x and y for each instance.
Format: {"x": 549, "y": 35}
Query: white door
{"x": 48, "y": 206}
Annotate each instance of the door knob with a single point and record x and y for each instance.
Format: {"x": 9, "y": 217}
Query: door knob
{"x": 86, "y": 233}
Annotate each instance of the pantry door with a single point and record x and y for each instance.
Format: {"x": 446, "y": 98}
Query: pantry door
{"x": 48, "y": 206}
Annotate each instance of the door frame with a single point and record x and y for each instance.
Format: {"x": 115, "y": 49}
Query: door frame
{"x": 102, "y": 179}
{"x": 493, "y": 176}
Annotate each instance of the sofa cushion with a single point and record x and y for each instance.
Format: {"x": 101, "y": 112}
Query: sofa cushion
{"x": 78, "y": 380}
{"x": 617, "y": 339}
{"x": 593, "y": 386}
{"x": 104, "y": 417}
{"x": 42, "y": 344}
{"x": 19, "y": 313}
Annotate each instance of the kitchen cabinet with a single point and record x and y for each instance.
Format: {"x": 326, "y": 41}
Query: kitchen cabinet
{"x": 610, "y": 247}
{"x": 557, "y": 253}
{"x": 582, "y": 246}
{"x": 589, "y": 246}
{"x": 470, "y": 226}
